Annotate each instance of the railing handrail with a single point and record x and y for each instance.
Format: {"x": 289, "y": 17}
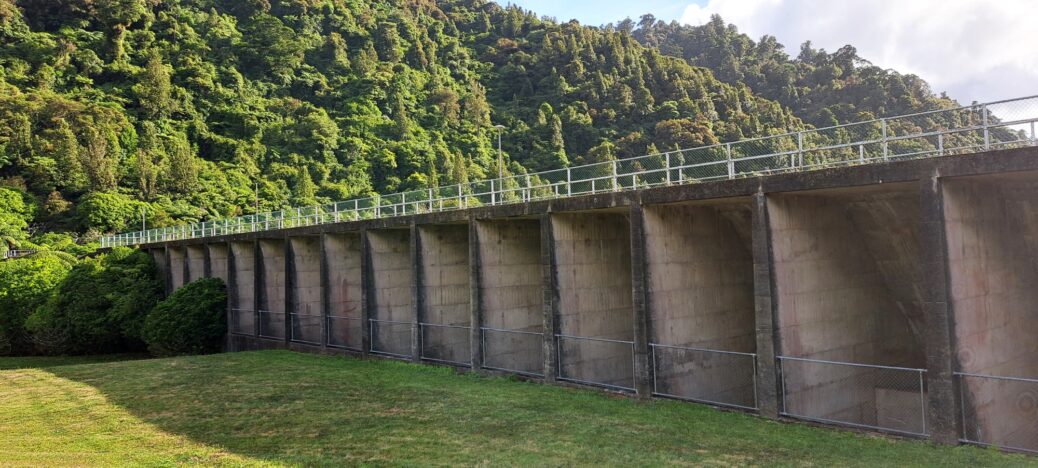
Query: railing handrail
{"x": 444, "y": 325}
{"x": 593, "y": 338}
{"x": 996, "y": 377}
{"x": 704, "y": 350}
{"x": 518, "y": 332}
{"x": 390, "y": 321}
{"x": 460, "y": 195}
{"x": 855, "y": 364}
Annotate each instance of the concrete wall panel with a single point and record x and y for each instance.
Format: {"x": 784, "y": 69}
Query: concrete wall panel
{"x": 218, "y": 258}
{"x": 243, "y": 304}
{"x": 593, "y": 264}
{"x": 177, "y": 260}
{"x": 307, "y": 298}
{"x": 195, "y": 262}
{"x": 343, "y": 254}
{"x": 391, "y": 283}
{"x": 991, "y": 228}
{"x": 512, "y": 294}
{"x": 445, "y": 292}
{"x": 700, "y": 270}
{"x": 272, "y": 299}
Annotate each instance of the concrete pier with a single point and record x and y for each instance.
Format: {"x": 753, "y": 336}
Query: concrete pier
{"x": 894, "y": 297}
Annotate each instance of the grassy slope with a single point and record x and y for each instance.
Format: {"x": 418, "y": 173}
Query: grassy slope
{"x": 286, "y": 408}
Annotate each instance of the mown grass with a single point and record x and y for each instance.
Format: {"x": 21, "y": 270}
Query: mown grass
{"x": 283, "y": 408}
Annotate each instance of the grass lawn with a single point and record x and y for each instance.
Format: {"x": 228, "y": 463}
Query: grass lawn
{"x": 283, "y": 408}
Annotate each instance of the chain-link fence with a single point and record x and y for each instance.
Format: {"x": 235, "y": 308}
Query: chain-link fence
{"x": 306, "y": 328}
{"x": 869, "y": 396}
{"x": 999, "y": 411}
{"x": 242, "y": 322}
{"x": 941, "y": 132}
{"x": 601, "y": 362}
{"x": 518, "y": 351}
{"x": 345, "y": 332}
{"x": 271, "y": 324}
{"x": 724, "y": 378}
{"x": 449, "y": 344}
{"x": 391, "y": 338}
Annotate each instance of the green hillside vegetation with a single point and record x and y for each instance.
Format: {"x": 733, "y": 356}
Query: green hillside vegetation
{"x": 116, "y": 112}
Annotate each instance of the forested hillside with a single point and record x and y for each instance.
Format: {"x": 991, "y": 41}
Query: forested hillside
{"x": 193, "y": 109}
{"x": 822, "y": 88}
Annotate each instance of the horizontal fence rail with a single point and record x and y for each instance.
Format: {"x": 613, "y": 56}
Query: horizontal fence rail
{"x": 391, "y": 338}
{"x": 885, "y": 398}
{"x": 603, "y": 362}
{"x": 980, "y": 127}
{"x": 724, "y": 378}
{"x": 306, "y": 328}
{"x": 449, "y": 344}
{"x": 17, "y": 253}
{"x": 271, "y": 324}
{"x": 518, "y": 351}
{"x": 999, "y": 411}
{"x": 345, "y": 332}
{"x": 242, "y": 321}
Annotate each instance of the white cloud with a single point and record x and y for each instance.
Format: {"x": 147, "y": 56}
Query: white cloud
{"x": 975, "y": 50}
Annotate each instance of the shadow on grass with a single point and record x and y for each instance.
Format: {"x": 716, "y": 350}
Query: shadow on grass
{"x": 293, "y": 408}
{"x": 43, "y": 362}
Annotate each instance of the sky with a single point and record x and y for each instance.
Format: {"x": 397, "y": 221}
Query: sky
{"x": 975, "y": 50}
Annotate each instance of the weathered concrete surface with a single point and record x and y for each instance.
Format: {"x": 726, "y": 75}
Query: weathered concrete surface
{"x": 307, "y": 298}
{"x": 162, "y": 268}
{"x": 195, "y": 258}
{"x": 700, "y": 268}
{"x": 177, "y": 267}
{"x": 445, "y": 293}
{"x": 391, "y": 284}
{"x": 834, "y": 304}
{"x": 511, "y": 292}
{"x": 218, "y": 258}
{"x": 992, "y": 231}
{"x": 243, "y": 298}
{"x": 593, "y": 264}
{"x": 272, "y": 292}
{"x": 345, "y": 323}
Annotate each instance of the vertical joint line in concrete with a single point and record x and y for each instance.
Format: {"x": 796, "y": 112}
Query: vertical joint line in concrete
{"x": 475, "y": 296}
{"x": 639, "y": 288}
{"x": 290, "y": 273}
{"x": 325, "y": 289}
{"x": 259, "y": 293}
{"x": 769, "y": 384}
{"x": 367, "y": 296}
{"x": 549, "y": 277}
{"x": 416, "y": 292}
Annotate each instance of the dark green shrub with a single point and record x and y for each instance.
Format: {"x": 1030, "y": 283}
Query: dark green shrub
{"x": 190, "y": 321}
{"x": 99, "y": 307}
{"x": 25, "y": 284}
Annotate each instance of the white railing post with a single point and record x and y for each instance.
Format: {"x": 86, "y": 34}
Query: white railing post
{"x": 731, "y": 163}
{"x": 493, "y": 193}
{"x": 800, "y": 150}
{"x": 1034, "y": 141}
{"x": 987, "y": 131}
{"x": 462, "y": 202}
{"x": 883, "y": 123}
{"x": 667, "y": 162}
{"x": 615, "y": 187}
{"x": 430, "y": 199}
{"x": 569, "y": 182}
{"x": 528, "y": 192}
{"x": 940, "y": 144}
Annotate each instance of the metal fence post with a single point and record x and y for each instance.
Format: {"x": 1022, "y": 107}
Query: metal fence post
{"x": 987, "y": 131}
{"x": 731, "y": 163}
{"x": 1033, "y": 140}
{"x": 615, "y": 187}
{"x": 940, "y": 144}
{"x": 493, "y": 193}
{"x": 667, "y": 162}
{"x": 569, "y": 182}
{"x": 883, "y": 123}
{"x": 430, "y": 199}
{"x": 800, "y": 149}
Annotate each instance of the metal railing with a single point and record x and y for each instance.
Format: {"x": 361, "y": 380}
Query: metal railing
{"x": 238, "y": 326}
{"x": 392, "y": 338}
{"x": 348, "y": 337}
{"x": 885, "y": 398}
{"x": 523, "y": 353}
{"x": 724, "y": 378}
{"x": 271, "y": 324}
{"x": 999, "y": 411}
{"x": 306, "y": 328}
{"x": 980, "y": 127}
{"x": 449, "y": 344}
{"x": 596, "y": 361}
{"x": 10, "y": 254}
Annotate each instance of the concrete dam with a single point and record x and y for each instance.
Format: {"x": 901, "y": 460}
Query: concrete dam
{"x": 899, "y": 296}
